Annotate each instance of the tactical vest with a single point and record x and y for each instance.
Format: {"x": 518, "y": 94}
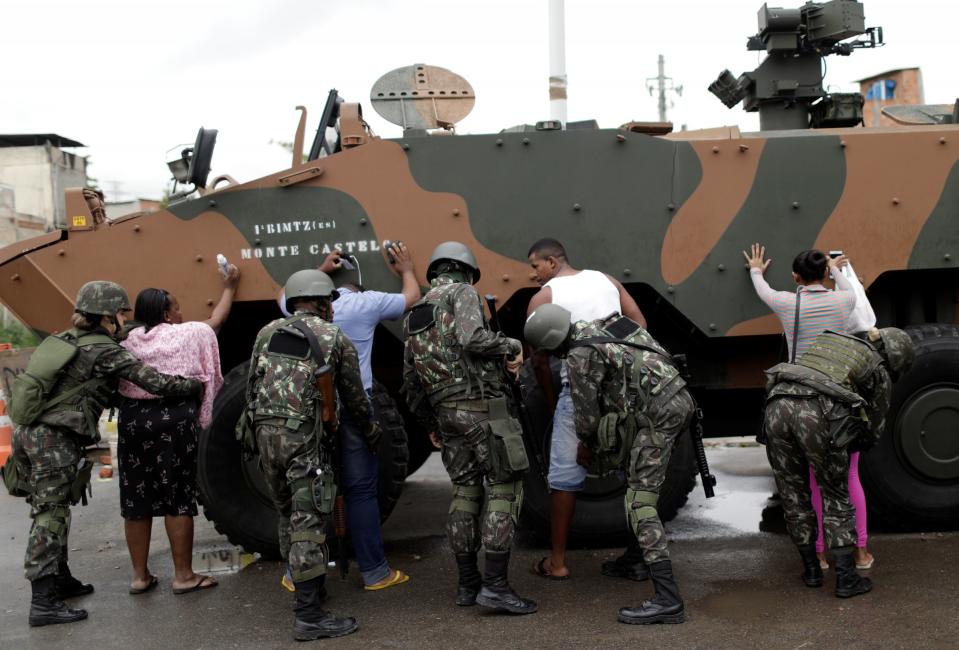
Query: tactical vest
{"x": 283, "y": 385}
{"x": 643, "y": 377}
{"x": 81, "y": 411}
{"x": 846, "y": 360}
{"x": 441, "y": 364}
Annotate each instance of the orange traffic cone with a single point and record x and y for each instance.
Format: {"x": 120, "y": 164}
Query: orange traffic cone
{"x": 6, "y": 431}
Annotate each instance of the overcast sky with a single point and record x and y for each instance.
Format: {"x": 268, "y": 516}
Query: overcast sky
{"x": 133, "y": 78}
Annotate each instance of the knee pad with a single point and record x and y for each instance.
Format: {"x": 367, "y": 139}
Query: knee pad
{"x": 640, "y": 505}
{"x": 506, "y": 498}
{"x": 468, "y": 499}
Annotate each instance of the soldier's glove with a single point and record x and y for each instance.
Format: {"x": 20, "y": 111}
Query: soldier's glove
{"x": 373, "y": 438}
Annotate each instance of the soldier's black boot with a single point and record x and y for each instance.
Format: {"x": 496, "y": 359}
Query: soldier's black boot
{"x": 848, "y": 582}
{"x": 67, "y": 585}
{"x": 46, "y": 608}
{"x": 629, "y": 565}
{"x": 496, "y": 592}
{"x": 310, "y": 620}
{"x": 812, "y": 571}
{"x": 664, "y": 607}
{"x": 470, "y": 579}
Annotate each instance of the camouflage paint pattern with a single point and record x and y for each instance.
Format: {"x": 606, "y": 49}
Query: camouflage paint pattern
{"x": 602, "y": 381}
{"x": 51, "y": 454}
{"x": 467, "y": 456}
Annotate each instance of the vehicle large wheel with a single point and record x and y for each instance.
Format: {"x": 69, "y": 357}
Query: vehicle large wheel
{"x": 233, "y": 493}
{"x": 600, "y": 513}
{"x": 911, "y": 476}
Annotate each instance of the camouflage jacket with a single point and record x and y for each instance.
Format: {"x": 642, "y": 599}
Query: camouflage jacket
{"x": 612, "y": 378}
{"x": 450, "y": 352}
{"x": 110, "y": 363}
{"x": 843, "y": 368}
{"x": 283, "y": 389}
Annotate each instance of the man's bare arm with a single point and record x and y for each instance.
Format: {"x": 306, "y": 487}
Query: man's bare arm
{"x": 542, "y": 297}
{"x": 628, "y": 306}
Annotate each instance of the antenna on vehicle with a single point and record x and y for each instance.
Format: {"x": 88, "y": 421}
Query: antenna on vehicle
{"x": 422, "y": 97}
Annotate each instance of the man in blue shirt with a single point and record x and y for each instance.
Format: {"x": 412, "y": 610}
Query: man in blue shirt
{"x": 357, "y": 312}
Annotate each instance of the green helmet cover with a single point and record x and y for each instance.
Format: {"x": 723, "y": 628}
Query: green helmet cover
{"x": 103, "y": 298}
{"x": 547, "y": 327}
{"x": 898, "y": 349}
{"x": 454, "y": 251}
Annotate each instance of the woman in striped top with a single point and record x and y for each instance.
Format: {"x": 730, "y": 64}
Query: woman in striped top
{"x": 819, "y": 309}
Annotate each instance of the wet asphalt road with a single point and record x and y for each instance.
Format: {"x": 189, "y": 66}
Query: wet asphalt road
{"x": 740, "y": 584}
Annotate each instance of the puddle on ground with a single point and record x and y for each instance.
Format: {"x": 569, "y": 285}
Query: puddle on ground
{"x": 221, "y": 559}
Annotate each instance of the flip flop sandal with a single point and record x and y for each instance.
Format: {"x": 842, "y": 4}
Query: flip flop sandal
{"x": 398, "y": 578}
{"x": 136, "y": 591}
{"x": 539, "y": 569}
{"x": 205, "y": 582}
{"x": 866, "y": 565}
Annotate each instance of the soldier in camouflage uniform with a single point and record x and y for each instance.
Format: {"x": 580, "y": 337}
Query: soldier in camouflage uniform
{"x": 630, "y": 406}
{"x": 49, "y": 450}
{"x": 834, "y": 398}
{"x": 455, "y": 383}
{"x": 284, "y": 406}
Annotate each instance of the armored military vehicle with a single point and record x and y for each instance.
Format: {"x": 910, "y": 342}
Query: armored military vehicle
{"x": 668, "y": 214}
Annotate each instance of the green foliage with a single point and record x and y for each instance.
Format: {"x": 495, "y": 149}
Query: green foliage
{"x": 14, "y": 332}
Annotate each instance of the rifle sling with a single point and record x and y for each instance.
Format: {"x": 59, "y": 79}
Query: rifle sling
{"x": 313, "y": 341}
{"x": 600, "y": 340}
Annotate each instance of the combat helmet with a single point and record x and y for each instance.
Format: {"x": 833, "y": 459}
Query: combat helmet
{"x": 456, "y": 252}
{"x": 103, "y": 298}
{"x": 547, "y": 327}
{"x": 898, "y": 350}
{"x": 309, "y": 283}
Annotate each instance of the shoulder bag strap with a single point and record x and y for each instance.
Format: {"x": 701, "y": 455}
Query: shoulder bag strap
{"x": 796, "y": 326}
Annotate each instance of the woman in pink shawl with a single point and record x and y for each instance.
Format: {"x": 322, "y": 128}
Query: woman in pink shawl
{"x": 158, "y": 436}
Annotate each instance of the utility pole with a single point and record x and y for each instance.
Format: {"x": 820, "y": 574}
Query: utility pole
{"x": 557, "y": 61}
{"x": 662, "y": 84}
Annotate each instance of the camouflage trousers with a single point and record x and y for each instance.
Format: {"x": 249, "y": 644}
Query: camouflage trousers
{"x": 52, "y": 454}
{"x": 476, "y": 514}
{"x": 290, "y": 459}
{"x": 646, "y": 472}
{"x": 797, "y": 438}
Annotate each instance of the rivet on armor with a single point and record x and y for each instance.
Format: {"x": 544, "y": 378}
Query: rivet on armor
{"x": 670, "y": 206}
{"x": 136, "y": 228}
{"x": 743, "y": 148}
{"x": 947, "y": 257}
{"x": 842, "y": 143}
{"x": 670, "y": 289}
{"x": 15, "y": 277}
{"x": 363, "y": 221}
{"x": 942, "y": 141}
{"x": 456, "y": 212}
{"x": 715, "y": 149}
{"x": 406, "y": 147}
{"x": 212, "y": 203}
{"x": 721, "y": 267}
{"x": 712, "y": 326}
{"x": 505, "y": 277}
{"x": 499, "y": 142}
{"x": 627, "y": 271}
{"x": 199, "y": 258}
{"x": 257, "y": 242}
{"x": 620, "y": 137}
{"x": 577, "y": 207}
{"x": 209, "y": 302}
{"x": 895, "y": 200}
{"x": 525, "y": 140}
{"x": 61, "y": 252}
{"x": 795, "y": 205}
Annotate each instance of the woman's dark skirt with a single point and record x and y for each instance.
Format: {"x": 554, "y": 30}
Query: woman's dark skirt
{"x": 157, "y": 452}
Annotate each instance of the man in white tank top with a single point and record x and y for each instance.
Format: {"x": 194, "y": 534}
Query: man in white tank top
{"x": 587, "y": 295}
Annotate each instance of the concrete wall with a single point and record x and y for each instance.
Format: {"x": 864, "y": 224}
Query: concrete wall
{"x": 908, "y": 90}
{"x": 39, "y": 175}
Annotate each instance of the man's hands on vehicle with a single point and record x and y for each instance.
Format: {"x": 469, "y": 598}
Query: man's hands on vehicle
{"x": 332, "y": 262}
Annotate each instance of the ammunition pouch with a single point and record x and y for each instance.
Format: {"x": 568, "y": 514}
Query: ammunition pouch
{"x": 640, "y": 505}
{"x": 614, "y": 440}
{"x": 467, "y": 498}
{"x": 81, "y": 483}
{"x": 15, "y": 478}
{"x": 845, "y": 424}
{"x": 323, "y": 491}
{"x": 506, "y": 498}
{"x": 507, "y": 449}
{"x": 246, "y": 434}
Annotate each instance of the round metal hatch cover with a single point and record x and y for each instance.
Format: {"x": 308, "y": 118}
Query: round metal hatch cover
{"x": 422, "y": 96}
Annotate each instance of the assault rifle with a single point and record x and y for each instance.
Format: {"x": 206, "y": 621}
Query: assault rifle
{"x": 324, "y": 385}
{"x": 516, "y": 388}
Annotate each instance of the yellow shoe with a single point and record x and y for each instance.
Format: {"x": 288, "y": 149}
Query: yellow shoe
{"x": 287, "y": 583}
{"x": 397, "y": 577}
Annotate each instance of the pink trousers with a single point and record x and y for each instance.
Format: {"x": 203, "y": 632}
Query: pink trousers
{"x": 856, "y": 495}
